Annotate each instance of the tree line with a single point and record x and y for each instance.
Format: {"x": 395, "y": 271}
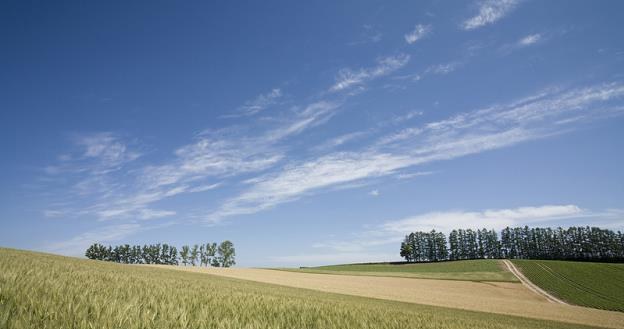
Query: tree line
{"x": 574, "y": 243}
{"x": 209, "y": 254}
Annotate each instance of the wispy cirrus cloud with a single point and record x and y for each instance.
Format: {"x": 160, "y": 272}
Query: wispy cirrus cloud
{"x": 407, "y": 116}
{"x": 216, "y": 155}
{"x": 312, "y": 115}
{"x": 410, "y": 175}
{"x": 436, "y": 69}
{"x": 200, "y": 166}
{"x": 348, "y": 78}
{"x": 258, "y": 104}
{"x": 107, "y": 148}
{"x": 97, "y": 153}
{"x": 490, "y": 11}
{"x": 498, "y": 126}
{"x": 530, "y": 39}
{"x": 524, "y": 42}
{"x": 443, "y": 69}
{"x": 419, "y": 32}
{"x": 340, "y": 140}
{"x": 226, "y": 153}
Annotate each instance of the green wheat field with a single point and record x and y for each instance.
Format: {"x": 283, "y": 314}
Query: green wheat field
{"x": 597, "y": 285}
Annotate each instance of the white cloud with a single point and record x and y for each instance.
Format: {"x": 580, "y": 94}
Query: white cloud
{"x": 529, "y": 40}
{"x": 296, "y": 180}
{"x": 420, "y": 31}
{"x": 490, "y": 11}
{"x": 314, "y": 114}
{"x": 96, "y": 154}
{"x": 374, "y": 193}
{"x": 400, "y": 135}
{"x": 152, "y": 213}
{"x": 442, "y": 68}
{"x": 437, "y": 69}
{"x": 407, "y": 116}
{"x": 526, "y": 41}
{"x": 347, "y": 78}
{"x": 414, "y": 174}
{"x": 473, "y": 132}
{"x": 107, "y": 149}
{"x": 340, "y": 140}
{"x": 196, "y": 167}
{"x": 214, "y": 157}
{"x": 492, "y": 218}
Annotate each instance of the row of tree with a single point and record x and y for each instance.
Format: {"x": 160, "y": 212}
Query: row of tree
{"x": 209, "y": 254}
{"x": 574, "y": 243}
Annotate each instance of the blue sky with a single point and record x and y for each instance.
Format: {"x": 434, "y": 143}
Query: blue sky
{"x": 306, "y": 133}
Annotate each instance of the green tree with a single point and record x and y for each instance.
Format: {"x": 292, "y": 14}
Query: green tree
{"x": 194, "y": 254}
{"x": 211, "y": 252}
{"x": 91, "y": 251}
{"x": 202, "y": 255}
{"x": 406, "y": 249}
{"x": 184, "y": 254}
{"x": 227, "y": 254}
{"x": 173, "y": 256}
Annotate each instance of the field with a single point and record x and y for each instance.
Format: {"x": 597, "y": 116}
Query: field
{"x": 597, "y": 285}
{"x": 471, "y": 270}
{"x": 507, "y": 298}
{"x": 47, "y": 291}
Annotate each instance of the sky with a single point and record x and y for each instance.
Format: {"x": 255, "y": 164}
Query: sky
{"x": 306, "y": 133}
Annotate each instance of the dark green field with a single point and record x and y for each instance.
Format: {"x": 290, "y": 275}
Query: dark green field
{"x": 467, "y": 270}
{"x": 598, "y": 285}
{"x": 47, "y": 291}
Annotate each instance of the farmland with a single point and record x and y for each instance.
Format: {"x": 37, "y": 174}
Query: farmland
{"x": 470, "y": 270}
{"x": 46, "y": 291}
{"x": 598, "y": 285}
{"x": 507, "y": 298}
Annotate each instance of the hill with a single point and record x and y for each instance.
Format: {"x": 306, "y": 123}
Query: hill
{"x": 467, "y": 270}
{"x": 40, "y": 290}
{"x": 597, "y": 285}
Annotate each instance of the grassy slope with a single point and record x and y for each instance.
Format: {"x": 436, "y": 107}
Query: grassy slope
{"x": 597, "y": 285}
{"x": 468, "y": 270}
{"x": 46, "y": 291}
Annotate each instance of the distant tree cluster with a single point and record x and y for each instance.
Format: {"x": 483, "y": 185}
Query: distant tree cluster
{"x": 209, "y": 254}
{"x": 425, "y": 247}
{"x": 574, "y": 243}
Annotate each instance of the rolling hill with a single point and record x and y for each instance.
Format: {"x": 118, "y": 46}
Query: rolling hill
{"x": 41, "y": 290}
{"x": 468, "y": 270}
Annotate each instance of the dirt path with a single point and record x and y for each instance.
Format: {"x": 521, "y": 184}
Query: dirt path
{"x": 530, "y": 285}
{"x": 495, "y": 297}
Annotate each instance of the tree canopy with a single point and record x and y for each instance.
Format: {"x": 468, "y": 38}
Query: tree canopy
{"x": 209, "y": 254}
{"x": 574, "y": 243}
